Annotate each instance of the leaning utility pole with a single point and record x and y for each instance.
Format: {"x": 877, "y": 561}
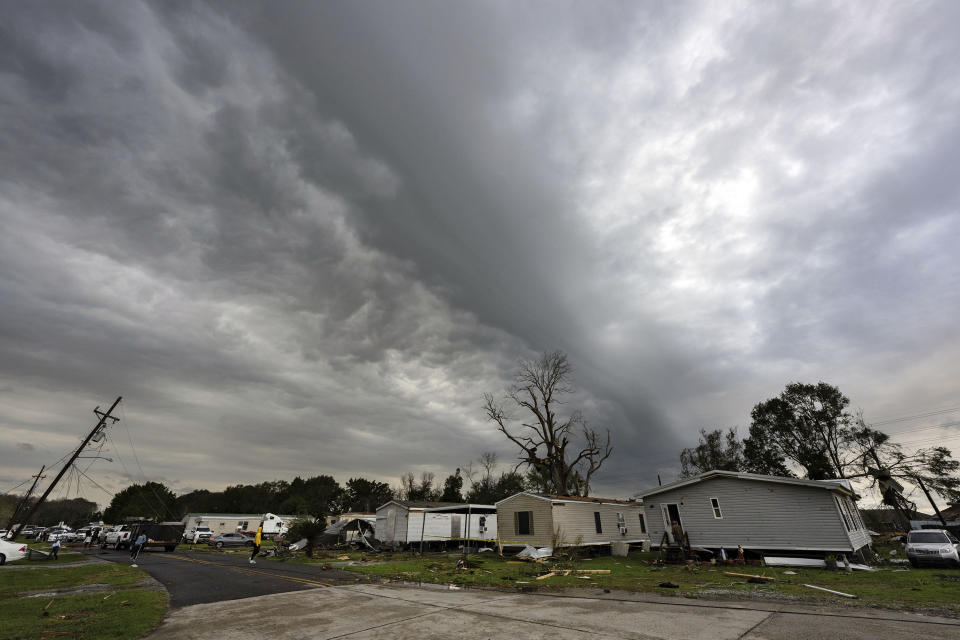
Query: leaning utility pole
{"x": 26, "y": 497}
{"x": 103, "y": 420}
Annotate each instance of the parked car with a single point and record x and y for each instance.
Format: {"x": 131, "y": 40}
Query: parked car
{"x": 117, "y": 537}
{"x": 199, "y": 534}
{"x": 932, "y": 546}
{"x": 231, "y": 540}
{"x": 10, "y": 551}
{"x": 61, "y": 534}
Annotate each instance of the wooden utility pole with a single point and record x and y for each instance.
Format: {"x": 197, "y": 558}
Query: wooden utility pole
{"x": 23, "y": 502}
{"x": 932, "y": 503}
{"x": 103, "y": 421}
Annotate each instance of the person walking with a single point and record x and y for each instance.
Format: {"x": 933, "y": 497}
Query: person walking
{"x": 55, "y": 548}
{"x": 256, "y": 543}
{"x": 137, "y": 546}
{"x": 87, "y": 541}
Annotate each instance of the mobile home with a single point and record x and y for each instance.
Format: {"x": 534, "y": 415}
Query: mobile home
{"x": 273, "y": 525}
{"x": 406, "y": 522}
{"x": 724, "y": 509}
{"x": 540, "y": 520}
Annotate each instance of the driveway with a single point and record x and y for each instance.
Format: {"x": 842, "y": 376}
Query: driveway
{"x": 195, "y": 578}
{"x": 396, "y": 612}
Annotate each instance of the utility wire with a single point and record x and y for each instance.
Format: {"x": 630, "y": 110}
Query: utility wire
{"x": 126, "y": 427}
{"x": 926, "y": 414}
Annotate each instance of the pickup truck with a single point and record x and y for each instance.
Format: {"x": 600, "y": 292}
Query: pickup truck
{"x": 118, "y": 537}
{"x": 200, "y": 534}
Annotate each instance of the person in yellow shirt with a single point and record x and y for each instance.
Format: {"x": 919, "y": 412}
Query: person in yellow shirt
{"x": 256, "y": 543}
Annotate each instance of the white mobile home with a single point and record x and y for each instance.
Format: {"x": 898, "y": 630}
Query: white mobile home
{"x": 541, "y": 519}
{"x": 273, "y": 524}
{"x": 403, "y": 522}
{"x": 724, "y": 509}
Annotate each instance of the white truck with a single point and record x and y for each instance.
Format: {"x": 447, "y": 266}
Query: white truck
{"x": 197, "y": 535}
{"x": 117, "y": 537}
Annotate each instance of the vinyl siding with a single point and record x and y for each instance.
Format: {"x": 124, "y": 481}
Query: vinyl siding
{"x": 757, "y": 515}
{"x": 542, "y": 520}
{"x": 576, "y": 520}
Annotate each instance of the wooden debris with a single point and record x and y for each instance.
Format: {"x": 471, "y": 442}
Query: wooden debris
{"x": 748, "y": 575}
{"x": 547, "y": 575}
{"x": 593, "y": 571}
{"x": 837, "y": 593}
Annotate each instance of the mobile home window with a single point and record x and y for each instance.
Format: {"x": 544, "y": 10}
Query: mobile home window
{"x": 596, "y": 521}
{"x": 523, "y": 521}
{"x": 843, "y": 513}
{"x": 854, "y": 514}
{"x": 643, "y": 524}
{"x": 715, "y": 503}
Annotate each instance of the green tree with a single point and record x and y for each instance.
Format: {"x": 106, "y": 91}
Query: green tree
{"x": 452, "y": 488}
{"x": 716, "y": 450}
{"x": 806, "y": 425}
{"x": 365, "y": 496}
{"x": 546, "y": 438}
{"x": 147, "y": 500}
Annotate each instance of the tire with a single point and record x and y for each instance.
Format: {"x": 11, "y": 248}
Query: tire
{"x": 248, "y": 543}
{"x": 170, "y": 547}
{"x": 219, "y": 545}
{"x": 3, "y": 559}
{"x": 914, "y": 563}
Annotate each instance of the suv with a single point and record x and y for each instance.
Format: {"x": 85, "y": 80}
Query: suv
{"x": 118, "y": 537}
{"x": 932, "y": 545}
{"x": 198, "y": 534}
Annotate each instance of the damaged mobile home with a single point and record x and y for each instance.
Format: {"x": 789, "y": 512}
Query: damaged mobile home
{"x": 724, "y": 509}
{"x": 540, "y": 519}
{"x": 410, "y": 522}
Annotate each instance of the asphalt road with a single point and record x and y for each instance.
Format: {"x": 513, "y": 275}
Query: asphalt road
{"x": 204, "y": 577}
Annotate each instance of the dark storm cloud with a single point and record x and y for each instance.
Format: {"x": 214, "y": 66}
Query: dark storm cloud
{"x": 306, "y": 238}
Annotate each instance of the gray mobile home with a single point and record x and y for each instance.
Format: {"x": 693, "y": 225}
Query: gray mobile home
{"x": 724, "y": 509}
{"x": 541, "y": 520}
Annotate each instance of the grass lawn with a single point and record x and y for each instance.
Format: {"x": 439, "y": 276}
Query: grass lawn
{"x": 932, "y": 589}
{"x": 119, "y": 608}
{"x": 322, "y": 556}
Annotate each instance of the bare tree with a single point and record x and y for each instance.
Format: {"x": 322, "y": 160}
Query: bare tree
{"x": 545, "y": 440}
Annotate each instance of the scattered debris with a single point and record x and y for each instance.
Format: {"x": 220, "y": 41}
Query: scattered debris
{"x": 893, "y": 552}
{"x": 534, "y": 553}
{"x": 668, "y": 585}
{"x": 837, "y": 593}
{"x": 789, "y": 573}
{"x": 547, "y": 575}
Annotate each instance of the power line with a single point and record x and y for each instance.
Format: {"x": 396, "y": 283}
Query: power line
{"x": 126, "y": 428}
{"x": 926, "y": 414}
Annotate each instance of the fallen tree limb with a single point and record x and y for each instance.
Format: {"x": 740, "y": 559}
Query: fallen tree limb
{"x": 748, "y": 575}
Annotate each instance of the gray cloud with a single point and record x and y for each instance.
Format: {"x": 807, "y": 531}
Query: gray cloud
{"x": 305, "y": 238}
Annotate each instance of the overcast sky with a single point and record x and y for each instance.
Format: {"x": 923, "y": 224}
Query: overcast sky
{"x": 304, "y": 238}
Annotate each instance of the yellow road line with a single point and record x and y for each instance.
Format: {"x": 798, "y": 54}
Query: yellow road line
{"x": 315, "y": 583}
